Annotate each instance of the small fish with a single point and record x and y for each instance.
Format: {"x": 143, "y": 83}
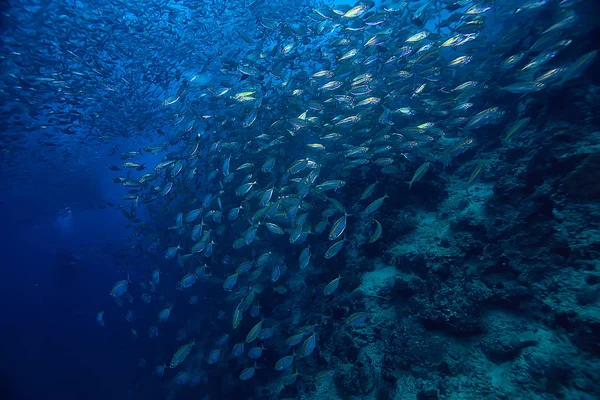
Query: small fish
{"x": 525, "y": 87}
{"x": 334, "y": 249}
{"x": 265, "y": 333}
{"x": 304, "y": 258}
{"x": 290, "y": 379}
{"x": 308, "y": 346}
{"x": 294, "y": 340}
{"x": 244, "y": 189}
{"x": 581, "y": 64}
{"x": 120, "y": 288}
{"x": 274, "y": 228}
{"x": 99, "y": 318}
{"x": 417, "y": 37}
{"x": 324, "y": 375}
{"x": 419, "y": 173}
{"x": 374, "y": 206}
{"x": 159, "y": 370}
{"x": 517, "y": 127}
{"x": 275, "y": 274}
{"x": 356, "y": 11}
{"x": 182, "y": 378}
{"x": 253, "y": 334}
{"x": 331, "y": 286}
{"x": 247, "y": 373}
{"x": 237, "y": 317}
{"x": 475, "y": 173}
{"x": 163, "y": 315}
{"x": 213, "y": 356}
{"x": 230, "y": 282}
{"x": 338, "y": 227}
{"x": 460, "y": 61}
{"x": 187, "y": 281}
{"x": 377, "y": 233}
{"x": 181, "y": 354}
{"x": 357, "y": 318}
{"x": 284, "y": 362}
{"x": 368, "y": 192}
{"x": 255, "y": 352}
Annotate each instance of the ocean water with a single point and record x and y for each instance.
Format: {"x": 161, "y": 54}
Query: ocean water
{"x": 383, "y": 200}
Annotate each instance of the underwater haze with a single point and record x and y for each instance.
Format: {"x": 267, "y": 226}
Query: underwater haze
{"x": 250, "y": 199}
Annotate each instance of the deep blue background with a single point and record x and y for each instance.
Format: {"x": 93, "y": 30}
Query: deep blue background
{"x": 50, "y": 341}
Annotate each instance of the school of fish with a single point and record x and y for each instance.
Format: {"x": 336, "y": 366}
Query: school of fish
{"x": 263, "y": 135}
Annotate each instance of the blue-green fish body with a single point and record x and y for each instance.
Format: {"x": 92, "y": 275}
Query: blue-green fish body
{"x": 484, "y": 117}
{"x": 334, "y": 249}
{"x": 171, "y": 252}
{"x": 120, "y": 288}
{"x": 368, "y": 191}
{"x": 166, "y": 189}
{"x": 274, "y": 228}
{"x": 233, "y": 213}
{"x": 324, "y": 375}
{"x": 237, "y": 317}
{"x": 331, "y": 286}
{"x": 255, "y": 352}
{"x": 308, "y": 346}
{"x": 263, "y": 259}
{"x": 249, "y": 235}
{"x": 181, "y": 354}
{"x": 230, "y": 282}
{"x": 321, "y": 226}
{"x": 247, "y": 373}
{"x": 265, "y": 333}
{"x": 525, "y": 87}
{"x": 99, "y": 318}
{"x": 159, "y": 370}
{"x": 265, "y": 198}
{"x": 187, "y": 281}
{"x": 214, "y": 356}
{"x": 200, "y": 272}
{"x": 377, "y": 233}
{"x": 304, "y": 258}
{"x": 268, "y": 165}
{"x": 290, "y": 379}
{"x": 294, "y": 340}
{"x": 182, "y": 378}
{"x": 580, "y": 65}
{"x": 226, "y": 165}
{"x": 192, "y": 215}
{"x": 517, "y": 127}
{"x": 238, "y": 350}
{"x": 284, "y": 363}
{"x": 338, "y": 227}
{"x": 275, "y": 274}
{"x": 298, "y": 166}
{"x": 419, "y": 173}
{"x": 197, "y": 231}
{"x": 374, "y": 206}
{"x": 255, "y": 310}
{"x": 152, "y": 331}
{"x": 475, "y": 173}
{"x": 130, "y": 316}
{"x": 242, "y": 190}
{"x": 330, "y": 185}
{"x": 155, "y": 277}
{"x": 253, "y": 334}
{"x": 244, "y": 267}
{"x": 357, "y": 318}
{"x": 163, "y": 316}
